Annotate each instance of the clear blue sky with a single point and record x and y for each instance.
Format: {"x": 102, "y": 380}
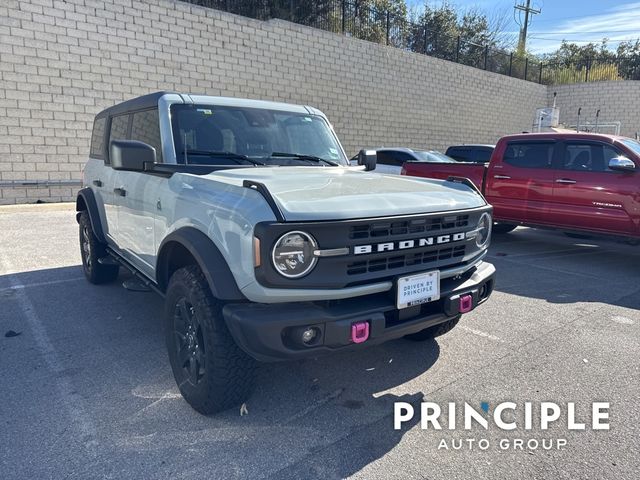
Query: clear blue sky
{"x": 580, "y": 21}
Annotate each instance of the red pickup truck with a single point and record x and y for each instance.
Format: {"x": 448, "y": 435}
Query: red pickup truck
{"x": 571, "y": 181}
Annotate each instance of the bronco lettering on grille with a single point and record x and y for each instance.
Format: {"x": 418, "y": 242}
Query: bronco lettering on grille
{"x": 406, "y": 244}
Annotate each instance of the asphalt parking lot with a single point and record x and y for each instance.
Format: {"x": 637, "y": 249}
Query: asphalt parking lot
{"x": 87, "y": 392}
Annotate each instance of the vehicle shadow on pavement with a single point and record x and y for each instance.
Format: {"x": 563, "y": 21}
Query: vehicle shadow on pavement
{"x": 329, "y": 416}
{"x": 551, "y": 266}
{"x": 353, "y": 452}
{"x": 347, "y": 399}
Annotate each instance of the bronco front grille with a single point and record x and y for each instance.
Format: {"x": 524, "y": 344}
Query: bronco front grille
{"x": 379, "y": 264}
{"x": 400, "y": 261}
{"x": 407, "y": 227}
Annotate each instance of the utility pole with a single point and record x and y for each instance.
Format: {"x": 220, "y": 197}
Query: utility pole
{"x": 528, "y": 10}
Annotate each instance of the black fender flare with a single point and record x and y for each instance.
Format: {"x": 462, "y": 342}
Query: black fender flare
{"x": 86, "y": 200}
{"x": 213, "y": 265}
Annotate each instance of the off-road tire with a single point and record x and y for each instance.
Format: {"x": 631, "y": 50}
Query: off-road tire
{"x": 91, "y": 250}
{"x": 212, "y": 372}
{"x": 502, "y": 228}
{"x": 433, "y": 332}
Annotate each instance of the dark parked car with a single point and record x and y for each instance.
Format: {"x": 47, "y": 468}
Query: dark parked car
{"x": 475, "y": 153}
{"x": 390, "y": 160}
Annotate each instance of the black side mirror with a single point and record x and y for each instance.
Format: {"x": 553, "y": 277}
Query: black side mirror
{"x": 368, "y": 158}
{"x": 131, "y": 155}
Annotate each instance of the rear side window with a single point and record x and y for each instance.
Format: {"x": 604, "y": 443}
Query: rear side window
{"x": 393, "y": 158}
{"x": 460, "y": 154}
{"x": 483, "y": 155}
{"x": 145, "y": 127}
{"x": 529, "y": 154}
{"x": 119, "y": 128}
{"x": 97, "y": 138}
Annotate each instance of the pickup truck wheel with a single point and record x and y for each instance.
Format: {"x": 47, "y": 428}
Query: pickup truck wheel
{"x": 90, "y": 251}
{"x": 433, "y": 332}
{"x": 212, "y": 372}
{"x": 500, "y": 228}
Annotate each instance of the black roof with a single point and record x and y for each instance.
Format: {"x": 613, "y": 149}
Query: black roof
{"x": 138, "y": 103}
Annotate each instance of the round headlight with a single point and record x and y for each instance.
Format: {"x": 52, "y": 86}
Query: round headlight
{"x": 484, "y": 230}
{"x": 293, "y": 256}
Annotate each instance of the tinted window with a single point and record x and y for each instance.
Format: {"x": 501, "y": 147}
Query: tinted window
{"x": 483, "y": 155}
{"x": 119, "y": 129}
{"x": 145, "y": 127}
{"x": 460, "y": 154}
{"x": 588, "y": 157}
{"x": 529, "y": 154}
{"x": 97, "y": 138}
{"x": 119, "y": 126}
{"x": 389, "y": 157}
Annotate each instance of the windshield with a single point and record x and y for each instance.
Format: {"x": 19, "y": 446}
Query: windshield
{"x": 632, "y": 144}
{"x": 433, "y": 156}
{"x": 221, "y": 135}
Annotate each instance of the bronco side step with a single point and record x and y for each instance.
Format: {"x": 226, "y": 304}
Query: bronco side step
{"x": 108, "y": 260}
{"x": 139, "y": 283}
{"x": 135, "y": 285}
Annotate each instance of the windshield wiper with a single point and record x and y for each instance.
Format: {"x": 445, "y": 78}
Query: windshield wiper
{"x": 237, "y": 157}
{"x": 311, "y": 158}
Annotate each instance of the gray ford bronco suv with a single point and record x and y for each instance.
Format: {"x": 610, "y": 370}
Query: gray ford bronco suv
{"x": 266, "y": 245}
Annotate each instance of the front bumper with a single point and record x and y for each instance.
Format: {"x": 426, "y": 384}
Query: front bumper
{"x": 269, "y": 332}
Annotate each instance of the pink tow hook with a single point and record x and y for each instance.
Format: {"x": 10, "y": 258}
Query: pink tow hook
{"x": 466, "y": 303}
{"x": 359, "y": 332}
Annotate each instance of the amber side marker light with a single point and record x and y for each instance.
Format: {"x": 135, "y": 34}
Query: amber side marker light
{"x": 256, "y": 252}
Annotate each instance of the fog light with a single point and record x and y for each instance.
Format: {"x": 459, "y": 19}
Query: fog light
{"x": 309, "y": 335}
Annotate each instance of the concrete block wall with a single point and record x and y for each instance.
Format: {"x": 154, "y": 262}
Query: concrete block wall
{"x": 617, "y": 102}
{"x": 62, "y": 61}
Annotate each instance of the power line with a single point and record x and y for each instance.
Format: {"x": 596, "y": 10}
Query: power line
{"x": 583, "y": 40}
{"x": 587, "y": 31}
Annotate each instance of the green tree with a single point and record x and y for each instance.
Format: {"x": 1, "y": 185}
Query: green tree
{"x": 629, "y": 59}
{"x": 572, "y": 63}
{"x": 377, "y": 20}
{"x": 320, "y": 13}
{"x": 474, "y": 29}
{"x": 434, "y": 31}
{"x": 572, "y": 54}
{"x": 442, "y": 32}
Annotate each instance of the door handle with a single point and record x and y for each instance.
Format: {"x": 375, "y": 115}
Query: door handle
{"x": 566, "y": 181}
{"x": 120, "y": 191}
{"x": 502, "y": 177}
{"x": 97, "y": 183}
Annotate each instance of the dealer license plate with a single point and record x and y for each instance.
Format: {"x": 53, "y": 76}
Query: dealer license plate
{"x": 418, "y": 289}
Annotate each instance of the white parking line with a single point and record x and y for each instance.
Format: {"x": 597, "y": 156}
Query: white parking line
{"x": 72, "y": 401}
{"x": 40, "y": 284}
{"x": 622, "y": 320}
{"x": 573, "y": 251}
{"x": 480, "y": 333}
